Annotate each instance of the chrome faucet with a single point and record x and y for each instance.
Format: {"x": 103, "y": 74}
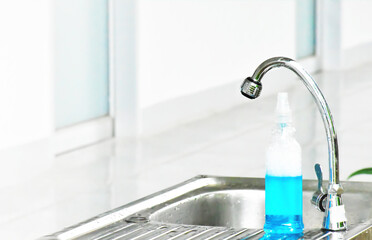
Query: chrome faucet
{"x": 330, "y": 202}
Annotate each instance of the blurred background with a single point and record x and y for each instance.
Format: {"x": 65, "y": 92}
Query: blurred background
{"x": 106, "y": 101}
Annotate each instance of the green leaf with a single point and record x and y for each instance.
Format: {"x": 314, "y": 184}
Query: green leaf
{"x": 361, "y": 171}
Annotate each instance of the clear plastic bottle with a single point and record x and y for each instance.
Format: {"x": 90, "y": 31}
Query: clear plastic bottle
{"x": 283, "y": 180}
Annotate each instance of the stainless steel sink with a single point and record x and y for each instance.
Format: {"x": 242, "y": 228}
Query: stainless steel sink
{"x": 208, "y": 207}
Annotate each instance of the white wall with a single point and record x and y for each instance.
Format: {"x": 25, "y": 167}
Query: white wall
{"x": 25, "y": 71}
{"x": 356, "y": 33}
{"x": 172, "y": 58}
{"x": 356, "y": 22}
{"x": 187, "y": 46}
{"x": 346, "y": 39}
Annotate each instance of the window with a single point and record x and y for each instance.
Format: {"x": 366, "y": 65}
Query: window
{"x": 306, "y": 28}
{"x": 81, "y": 61}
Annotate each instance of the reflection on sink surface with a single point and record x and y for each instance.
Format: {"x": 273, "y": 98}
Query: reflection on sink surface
{"x": 218, "y": 208}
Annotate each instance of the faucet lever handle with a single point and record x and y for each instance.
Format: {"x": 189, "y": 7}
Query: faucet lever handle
{"x": 319, "y": 197}
{"x": 319, "y": 175}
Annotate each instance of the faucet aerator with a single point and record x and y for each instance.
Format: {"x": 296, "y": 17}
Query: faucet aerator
{"x": 251, "y": 88}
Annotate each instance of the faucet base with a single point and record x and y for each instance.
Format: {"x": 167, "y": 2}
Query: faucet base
{"x": 335, "y": 217}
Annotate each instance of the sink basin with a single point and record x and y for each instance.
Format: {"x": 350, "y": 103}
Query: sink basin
{"x": 240, "y": 208}
{"x": 226, "y": 208}
{"x": 208, "y": 207}
{"x": 229, "y": 208}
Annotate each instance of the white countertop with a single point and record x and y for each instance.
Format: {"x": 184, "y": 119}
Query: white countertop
{"x": 41, "y": 194}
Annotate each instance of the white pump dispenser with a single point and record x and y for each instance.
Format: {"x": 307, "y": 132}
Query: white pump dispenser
{"x": 283, "y": 111}
{"x": 283, "y": 181}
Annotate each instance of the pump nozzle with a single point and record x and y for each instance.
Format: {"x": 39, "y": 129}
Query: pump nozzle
{"x": 283, "y": 111}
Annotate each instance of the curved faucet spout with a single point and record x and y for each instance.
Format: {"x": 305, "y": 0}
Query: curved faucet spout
{"x": 252, "y": 87}
{"x": 320, "y": 101}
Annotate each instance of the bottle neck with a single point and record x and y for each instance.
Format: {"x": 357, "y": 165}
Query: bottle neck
{"x": 284, "y": 130}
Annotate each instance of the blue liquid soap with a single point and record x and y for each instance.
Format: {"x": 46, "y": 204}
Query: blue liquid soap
{"x": 283, "y": 205}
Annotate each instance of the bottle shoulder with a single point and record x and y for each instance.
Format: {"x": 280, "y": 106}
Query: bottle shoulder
{"x": 284, "y": 137}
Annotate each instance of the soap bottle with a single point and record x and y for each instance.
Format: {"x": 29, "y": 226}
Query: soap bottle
{"x": 283, "y": 180}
